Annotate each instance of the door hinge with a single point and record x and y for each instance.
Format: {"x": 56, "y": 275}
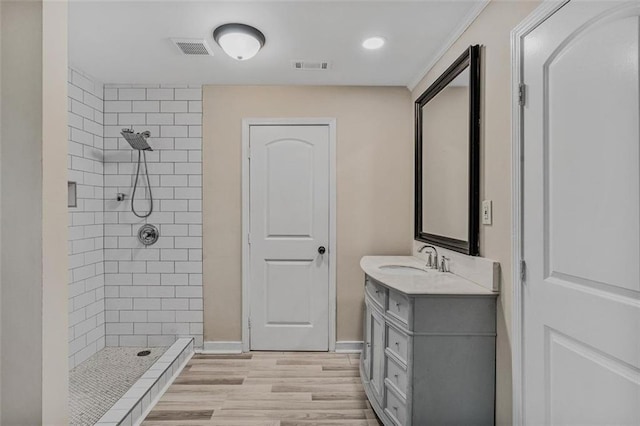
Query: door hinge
{"x": 249, "y": 238}
{"x": 249, "y": 323}
{"x": 523, "y": 271}
{"x": 522, "y": 94}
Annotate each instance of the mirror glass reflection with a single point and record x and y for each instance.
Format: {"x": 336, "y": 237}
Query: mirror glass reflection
{"x": 445, "y": 160}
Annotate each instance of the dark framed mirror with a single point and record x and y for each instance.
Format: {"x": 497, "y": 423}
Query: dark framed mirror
{"x": 447, "y": 163}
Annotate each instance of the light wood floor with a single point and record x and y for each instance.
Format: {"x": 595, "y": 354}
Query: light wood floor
{"x": 266, "y": 389}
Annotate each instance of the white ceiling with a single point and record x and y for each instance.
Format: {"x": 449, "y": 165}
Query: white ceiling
{"x": 129, "y": 41}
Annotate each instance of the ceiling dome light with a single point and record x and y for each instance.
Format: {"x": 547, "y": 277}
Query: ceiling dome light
{"x": 373, "y": 43}
{"x": 239, "y": 41}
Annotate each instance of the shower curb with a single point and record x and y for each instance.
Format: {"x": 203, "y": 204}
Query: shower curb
{"x": 137, "y": 402}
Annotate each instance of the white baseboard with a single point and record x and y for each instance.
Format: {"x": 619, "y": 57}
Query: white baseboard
{"x": 349, "y": 347}
{"x": 344, "y": 347}
{"x": 222, "y": 348}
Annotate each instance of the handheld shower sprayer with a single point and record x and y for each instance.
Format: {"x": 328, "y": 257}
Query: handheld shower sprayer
{"x": 138, "y": 141}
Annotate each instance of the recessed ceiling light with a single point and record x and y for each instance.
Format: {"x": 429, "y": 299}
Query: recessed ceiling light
{"x": 373, "y": 43}
{"x": 239, "y": 41}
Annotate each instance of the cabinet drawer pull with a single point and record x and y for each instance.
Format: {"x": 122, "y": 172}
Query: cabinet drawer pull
{"x": 396, "y": 376}
{"x": 398, "y": 305}
{"x": 397, "y": 343}
{"x": 378, "y": 292}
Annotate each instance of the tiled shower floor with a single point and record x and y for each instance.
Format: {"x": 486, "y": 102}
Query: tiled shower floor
{"x": 98, "y": 383}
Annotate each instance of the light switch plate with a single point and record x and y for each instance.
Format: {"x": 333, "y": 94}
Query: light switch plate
{"x": 487, "y": 214}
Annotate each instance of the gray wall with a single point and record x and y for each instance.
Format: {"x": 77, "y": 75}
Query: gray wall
{"x": 34, "y": 213}
{"x": 21, "y": 156}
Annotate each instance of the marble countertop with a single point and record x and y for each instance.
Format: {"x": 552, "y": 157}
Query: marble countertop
{"x": 432, "y": 282}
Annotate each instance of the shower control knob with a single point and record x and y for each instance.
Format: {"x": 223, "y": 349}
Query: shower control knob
{"x": 148, "y": 234}
{"x": 322, "y": 250}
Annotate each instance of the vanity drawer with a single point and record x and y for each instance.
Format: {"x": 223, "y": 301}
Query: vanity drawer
{"x": 399, "y": 306}
{"x": 397, "y": 375}
{"x": 397, "y": 343}
{"x": 395, "y": 407}
{"x": 377, "y": 292}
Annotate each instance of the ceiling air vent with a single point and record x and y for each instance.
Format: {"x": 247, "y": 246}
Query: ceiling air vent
{"x": 311, "y": 65}
{"x": 191, "y": 46}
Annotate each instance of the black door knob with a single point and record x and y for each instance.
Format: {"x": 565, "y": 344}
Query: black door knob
{"x": 321, "y": 250}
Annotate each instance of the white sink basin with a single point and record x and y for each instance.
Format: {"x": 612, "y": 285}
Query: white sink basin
{"x": 403, "y": 270}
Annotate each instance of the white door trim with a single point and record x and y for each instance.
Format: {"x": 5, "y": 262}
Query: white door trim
{"x": 537, "y": 17}
{"x": 246, "y": 123}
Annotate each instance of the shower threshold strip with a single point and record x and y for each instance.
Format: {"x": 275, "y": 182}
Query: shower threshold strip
{"x": 134, "y": 405}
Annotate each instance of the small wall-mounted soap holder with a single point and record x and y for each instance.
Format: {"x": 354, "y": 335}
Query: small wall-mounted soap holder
{"x": 72, "y": 194}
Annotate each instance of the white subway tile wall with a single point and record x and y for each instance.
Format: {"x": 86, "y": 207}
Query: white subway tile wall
{"x": 153, "y": 295}
{"x": 86, "y": 230}
{"x": 120, "y": 292}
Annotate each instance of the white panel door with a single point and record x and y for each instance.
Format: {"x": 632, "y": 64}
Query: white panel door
{"x": 582, "y": 216}
{"x": 289, "y": 223}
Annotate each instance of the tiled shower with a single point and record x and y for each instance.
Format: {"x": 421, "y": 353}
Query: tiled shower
{"x": 121, "y": 292}
{"x": 86, "y": 220}
{"x": 153, "y": 294}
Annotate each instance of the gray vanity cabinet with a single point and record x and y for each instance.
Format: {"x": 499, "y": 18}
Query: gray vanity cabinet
{"x": 365, "y": 356}
{"x": 376, "y": 378}
{"x": 429, "y": 359}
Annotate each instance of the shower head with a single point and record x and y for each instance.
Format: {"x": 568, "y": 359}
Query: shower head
{"x": 137, "y": 140}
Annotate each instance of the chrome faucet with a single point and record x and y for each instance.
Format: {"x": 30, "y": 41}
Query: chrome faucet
{"x": 444, "y": 267}
{"x": 432, "y": 263}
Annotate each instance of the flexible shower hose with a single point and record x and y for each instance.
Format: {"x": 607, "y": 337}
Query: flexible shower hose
{"x": 141, "y": 155}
